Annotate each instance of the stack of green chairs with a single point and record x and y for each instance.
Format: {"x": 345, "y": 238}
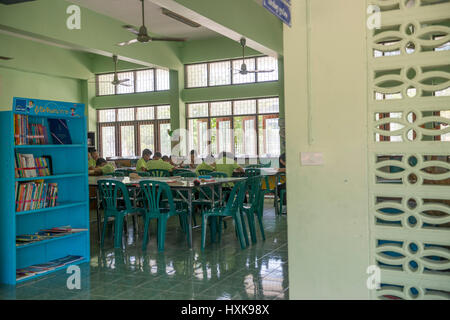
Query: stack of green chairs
{"x": 116, "y": 203}
{"x": 153, "y": 193}
{"x": 231, "y": 209}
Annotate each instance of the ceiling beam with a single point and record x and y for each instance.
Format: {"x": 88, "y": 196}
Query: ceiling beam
{"x": 45, "y": 21}
{"x": 234, "y": 19}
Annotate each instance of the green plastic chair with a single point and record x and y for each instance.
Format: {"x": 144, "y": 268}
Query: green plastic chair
{"x": 116, "y": 203}
{"x": 252, "y": 172}
{"x": 218, "y": 174}
{"x": 187, "y": 174}
{"x": 253, "y": 207}
{"x": 204, "y": 172}
{"x": 153, "y": 193}
{"x": 179, "y": 172}
{"x": 125, "y": 172}
{"x": 143, "y": 174}
{"x": 159, "y": 173}
{"x": 231, "y": 209}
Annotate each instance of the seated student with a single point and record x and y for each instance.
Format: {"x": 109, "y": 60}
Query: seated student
{"x": 92, "y": 159}
{"x": 103, "y": 167}
{"x": 158, "y": 163}
{"x": 165, "y": 159}
{"x": 207, "y": 164}
{"x": 142, "y": 163}
{"x": 227, "y": 164}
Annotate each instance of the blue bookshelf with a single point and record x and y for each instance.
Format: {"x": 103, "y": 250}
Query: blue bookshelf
{"x": 69, "y": 171}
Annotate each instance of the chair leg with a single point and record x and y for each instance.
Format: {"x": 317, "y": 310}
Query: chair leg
{"x": 145, "y": 238}
{"x": 204, "y": 223}
{"x": 213, "y": 228}
{"x": 219, "y": 229}
{"x": 186, "y": 224}
{"x": 118, "y": 231}
{"x": 244, "y": 227}
{"x": 105, "y": 223}
{"x": 237, "y": 220}
{"x": 162, "y": 223}
{"x": 259, "y": 216}
{"x": 251, "y": 225}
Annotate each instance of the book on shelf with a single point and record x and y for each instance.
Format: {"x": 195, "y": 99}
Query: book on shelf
{"x": 29, "y": 130}
{"x": 45, "y": 234}
{"x": 59, "y": 131}
{"x": 36, "y": 195}
{"x": 36, "y": 269}
{"x": 26, "y": 166}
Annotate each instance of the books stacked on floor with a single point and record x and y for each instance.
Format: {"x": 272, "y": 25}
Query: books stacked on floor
{"x": 29, "y": 130}
{"x": 35, "y": 195}
{"x": 28, "y": 166}
{"x": 45, "y": 267}
{"x": 46, "y": 234}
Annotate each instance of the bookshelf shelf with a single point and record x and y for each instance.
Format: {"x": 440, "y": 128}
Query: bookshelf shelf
{"x": 42, "y": 242}
{"x": 49, "y": 146}
{"x": 58, "y": 176}
{"x": 55, "y": 208}
{"x": 28, "y": 122}
{"x": 51, "y": 271}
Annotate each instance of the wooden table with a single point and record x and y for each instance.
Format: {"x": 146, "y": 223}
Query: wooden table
{"x": 178, "y": 184}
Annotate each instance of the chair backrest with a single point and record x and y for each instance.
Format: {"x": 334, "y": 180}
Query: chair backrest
{"x": 143, "y": 174}
{"x": 254, "y": 190}
{"x": 204, "y": 172}
{"x": 236, "y": 197}
{"x": 218, "y": 174}
{"x": 265, "y": 165}
{"x": 118, "y": 174}
{"x": 187, "y": 174}
{"x": 124, "y": 172}
{"x": 177, "y": 172}
{"x": 252, "y": 172}
{"x": 111, "y": 191}
{"x": 154, "y": 192}
{"x": 159, "y": 173}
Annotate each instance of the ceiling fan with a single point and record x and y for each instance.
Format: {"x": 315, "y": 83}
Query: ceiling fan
{"x": 142, "y": 34}
{"x": 116, "y": 80}
{"x": 243, "y": 71}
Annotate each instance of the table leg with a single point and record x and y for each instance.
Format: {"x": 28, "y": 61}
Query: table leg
{"x": 99, "y": 221}
{"x": 276, "y": 196}
{"x": 190, "y": 217}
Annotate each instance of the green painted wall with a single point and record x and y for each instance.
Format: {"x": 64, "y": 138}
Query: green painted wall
{"x": 15, "y": 83}
{"x": 326, "y": 111}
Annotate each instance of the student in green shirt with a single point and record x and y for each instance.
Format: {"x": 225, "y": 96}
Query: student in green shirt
{"x": 227, "y": 164}
{"x": 207, "y": 164}
{"x": 103, "y": 167}
{"x": 142, "y": 163}
{"x": 92, "y": 159}
{"x": 158, "y": 163}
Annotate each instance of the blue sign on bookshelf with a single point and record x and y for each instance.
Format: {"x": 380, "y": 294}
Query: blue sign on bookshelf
{"x": 36, "y": 107}
{"x": 279, "y": 9}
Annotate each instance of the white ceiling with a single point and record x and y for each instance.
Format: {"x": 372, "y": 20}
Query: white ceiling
{"x": 129, "y": 12}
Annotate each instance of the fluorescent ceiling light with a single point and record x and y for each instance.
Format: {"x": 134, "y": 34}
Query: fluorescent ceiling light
{"x": 179, "y": 18}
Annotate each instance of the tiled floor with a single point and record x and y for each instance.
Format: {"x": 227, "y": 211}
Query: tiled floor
{"x": 221, "y": 271}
